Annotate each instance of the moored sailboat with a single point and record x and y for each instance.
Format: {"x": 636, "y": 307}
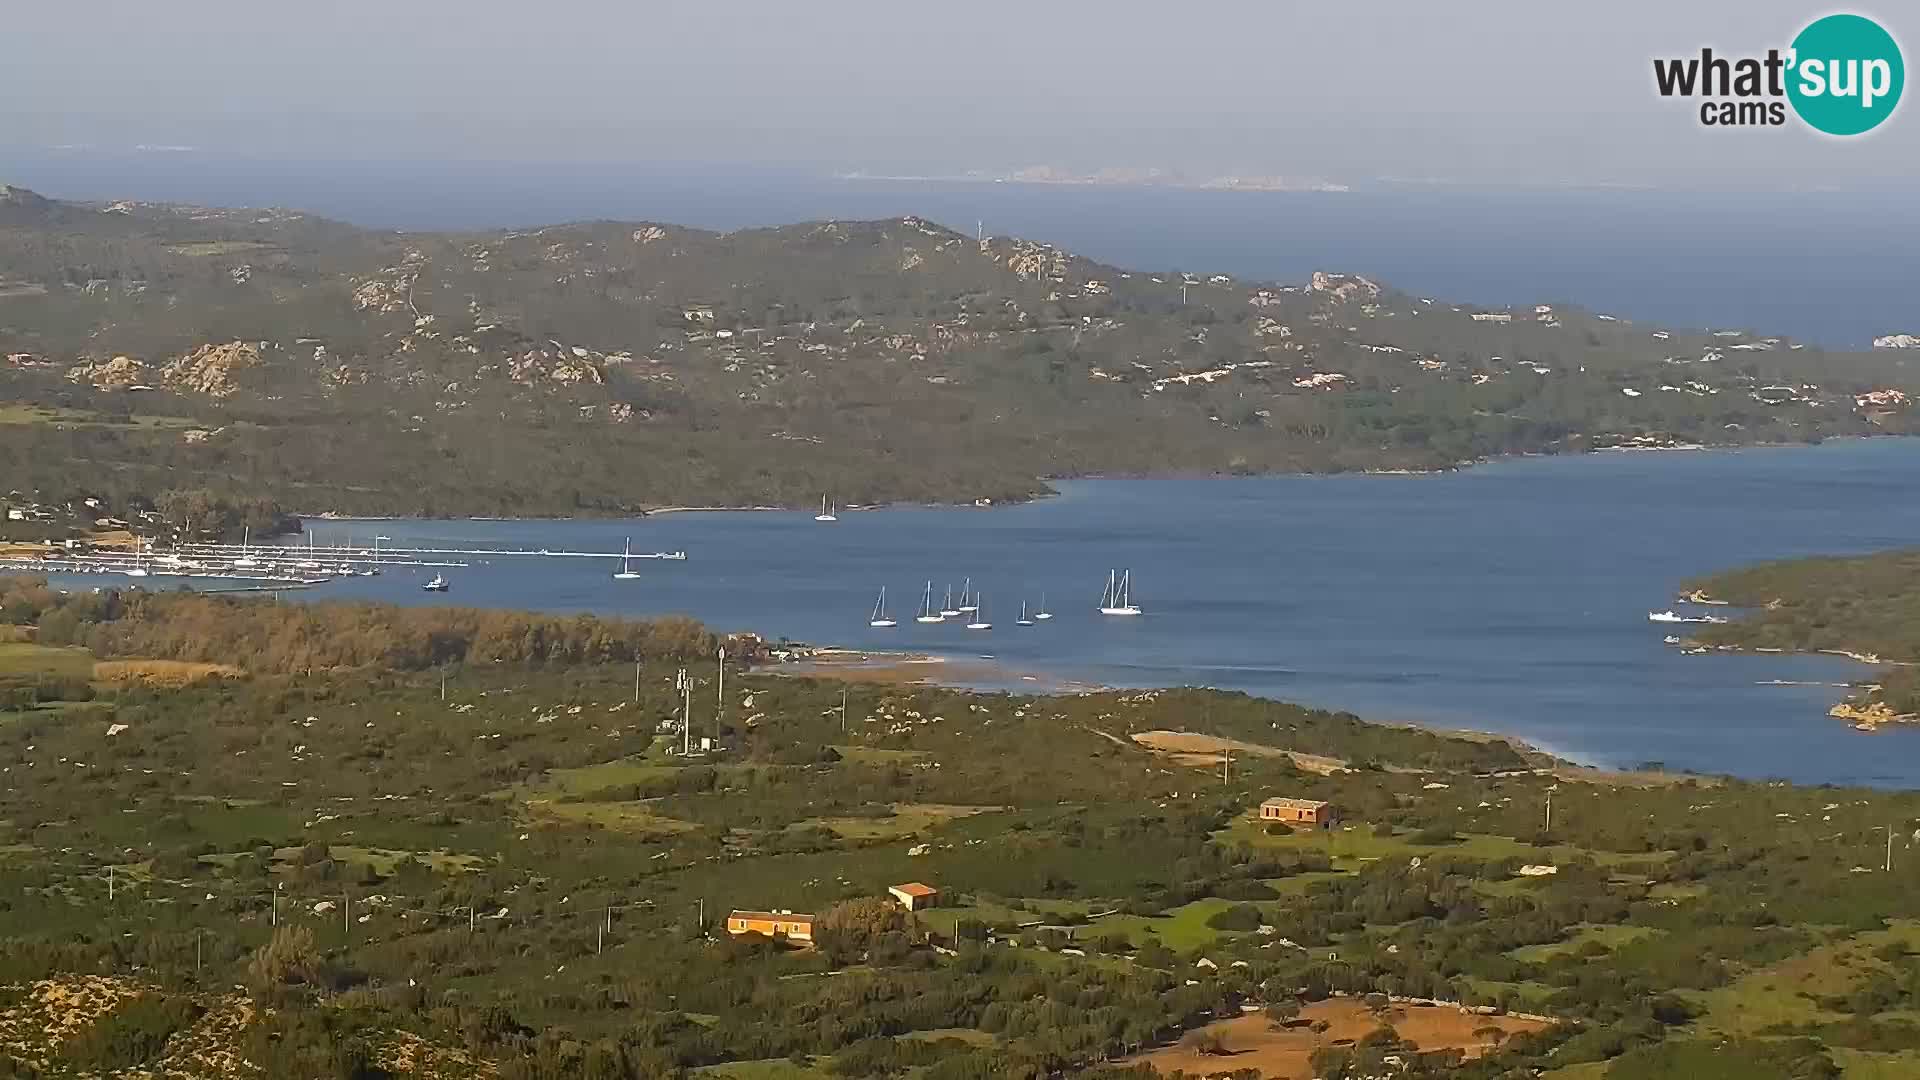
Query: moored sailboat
{"x": 879, "y": 617}
{"x": 626, "y": 571}
{"x": 927, "y": 614}
{"x": 1118, "y": 597}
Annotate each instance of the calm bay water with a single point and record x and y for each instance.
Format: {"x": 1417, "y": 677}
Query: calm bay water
{"x": 1508, "y": 598}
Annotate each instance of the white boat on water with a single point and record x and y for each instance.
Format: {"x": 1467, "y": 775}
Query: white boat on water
{"x": 1673, "y": 617}
{"x": 879, "y": 617}
{"x": 626, "y": 571}
{"x": 947, "y": 610}
{"x": 927, "y": 614}
{"x": 1118, "y": 598}
{"x": 1024, "y": 619}
{"x": 969, "y": 600}
{"x": 826, "y": 511}
{"x": 438, "y": 584}
{"x": 246, "y": 558}
{"x": 979, "y": 619}
{"x": 1043, "y": 614}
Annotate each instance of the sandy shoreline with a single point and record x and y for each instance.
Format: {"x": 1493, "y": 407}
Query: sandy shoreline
{"x": 889, "y": 668}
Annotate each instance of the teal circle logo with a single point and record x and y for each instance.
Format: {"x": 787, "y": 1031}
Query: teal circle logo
{"x": 1845, "y": 74}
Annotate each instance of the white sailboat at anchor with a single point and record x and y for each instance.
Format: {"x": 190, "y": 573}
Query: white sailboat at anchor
{"x": 626, "y": 571}
{"x": 1118, "y": 597}
{"x": 879, "y": 618}
{"x": 927, "y": 614}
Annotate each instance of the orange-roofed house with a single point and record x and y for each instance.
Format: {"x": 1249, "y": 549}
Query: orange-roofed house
{"x": 774, "y": 924}
{"x": 914, "y": 896}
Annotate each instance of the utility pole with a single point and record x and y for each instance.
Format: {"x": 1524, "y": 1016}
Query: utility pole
{"x": 109, "y": 883}
{"x": 636, "y": 676}
{"x": 720, "y": 695}
{"x": 703, "y": 915}
{"x": 346, "y": 913}
{"x": 684, "y": 685}
{"x": 469, "y": 918}
{"x": 443, "y": 684}
{"x": 196, "y": 950}
{"x": 1226, "y": 768}
{"x": 843, "y": 710}
{"x": 277, "y": 886}
{"x": 1550, "y": 792}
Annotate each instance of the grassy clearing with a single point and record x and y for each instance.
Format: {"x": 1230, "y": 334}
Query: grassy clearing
{"x": 873, "y": 755}
{"x": 1780, "y": 993}
{"x": 908, "y": 819}
{"x": 1354, "y": 844}
{"x": 35, "y": 414}
{"x": 1181, "y": 929}
{"x": 627, "y": 817}
{"x": 1865, "y": 1065}
{"x": 21, "y": 658}
{"x": 384, "y": 860}
{"x": 1586, "y": 1070}
{"x": 771, "y": 1069}
{"x": 1612, "y": 937}
{"x": 970, "y": 1036}
{"x": 170, "y": 674}
{"x": 991, "y": 912}
{"x": 588, "y": 778}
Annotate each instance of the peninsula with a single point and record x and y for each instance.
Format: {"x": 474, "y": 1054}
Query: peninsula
{"x": 268, "y": 357}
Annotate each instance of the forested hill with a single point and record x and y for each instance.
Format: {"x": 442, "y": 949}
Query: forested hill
{"x": 604, "y": 367}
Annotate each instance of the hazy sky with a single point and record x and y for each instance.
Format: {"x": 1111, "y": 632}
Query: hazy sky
{"x": 1473, "y": 91}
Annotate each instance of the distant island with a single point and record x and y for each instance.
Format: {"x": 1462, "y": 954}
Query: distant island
{"x": 1866, "y": 607}
{"x": 1116, "y": 177}
{"x": 269, "y": 358}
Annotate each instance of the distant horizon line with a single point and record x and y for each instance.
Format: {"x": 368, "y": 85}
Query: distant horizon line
{"x": 1041, "y": 175}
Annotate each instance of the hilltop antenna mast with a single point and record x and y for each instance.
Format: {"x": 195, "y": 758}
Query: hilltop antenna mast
{"x": 980, "y": 231}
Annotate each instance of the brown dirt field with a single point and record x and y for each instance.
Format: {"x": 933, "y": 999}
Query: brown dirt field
{"x": 172, "y": 674}
{"x": 1282, "y": 1054}
{"x": 1205, "y": 751}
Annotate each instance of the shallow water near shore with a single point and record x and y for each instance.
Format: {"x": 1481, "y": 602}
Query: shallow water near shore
{"x": 1511, "y": 597}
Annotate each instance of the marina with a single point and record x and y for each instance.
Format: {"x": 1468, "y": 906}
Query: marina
{"x": 292, "y": 564}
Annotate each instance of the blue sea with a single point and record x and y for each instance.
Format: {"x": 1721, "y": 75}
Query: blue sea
{"x": 1827, "y": 267}
{"x": 1511, "y": 597}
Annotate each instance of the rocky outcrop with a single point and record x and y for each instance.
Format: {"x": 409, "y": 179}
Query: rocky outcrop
{"x": 115, "y": 374}
{"x": 1870, "y": 715}
{"x": 1343, "y": 286}
{"x": 213, "y": 370}
{"x": 568, "y": 367}
{"x": 1897, "y": 341}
